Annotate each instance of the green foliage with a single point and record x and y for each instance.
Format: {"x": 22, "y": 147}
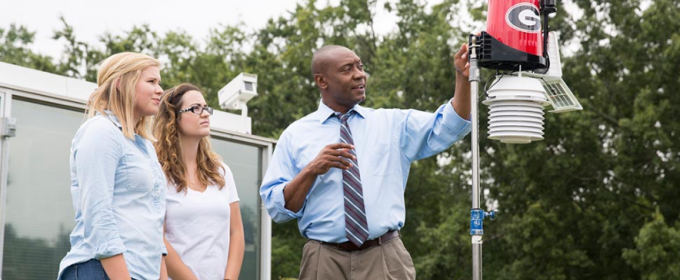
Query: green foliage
{"x": 15, "y": 44}
{"x": 657, "y": 250}
{"x": 287, "y": 252}
{"x": 576, "y": 205}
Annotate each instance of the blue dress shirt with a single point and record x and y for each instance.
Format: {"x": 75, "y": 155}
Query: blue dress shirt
{"x": 118, "y": 191}
{"x": 387, "y": 141}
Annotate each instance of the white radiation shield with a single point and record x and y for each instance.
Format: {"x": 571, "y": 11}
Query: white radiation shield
{"x": 516, "y": 109}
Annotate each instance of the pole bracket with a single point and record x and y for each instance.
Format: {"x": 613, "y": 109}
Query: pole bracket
{"x": 477, "y": 220}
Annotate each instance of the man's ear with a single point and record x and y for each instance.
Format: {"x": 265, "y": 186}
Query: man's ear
{"x": 320, "y": 81}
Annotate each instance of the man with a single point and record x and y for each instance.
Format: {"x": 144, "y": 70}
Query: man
{"x": 342, "y": 170}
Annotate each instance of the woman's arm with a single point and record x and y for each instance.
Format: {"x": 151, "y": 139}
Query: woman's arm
{"x": 96, "y": 153}
{"x": 175, "y": 266}
{"x": 115, "y": 267}
{"x": 237, "y": 243}
{"x": 164, "y": 269}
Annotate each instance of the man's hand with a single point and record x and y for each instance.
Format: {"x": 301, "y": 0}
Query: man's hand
{"x": 333, "y": 155}
{"x": 460, "y": 61}
{"x": 461, "y": 98}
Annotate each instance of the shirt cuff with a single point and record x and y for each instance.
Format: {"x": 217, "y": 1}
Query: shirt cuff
{"x": 109, "y": 249}
{"x": 165, "y": 250}
{"x": 280, "y": 203}
{"x": 453, "y": 122}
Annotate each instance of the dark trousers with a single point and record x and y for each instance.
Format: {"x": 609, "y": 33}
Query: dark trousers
{"x": 388, "y": 261}
{"x": 89, "y": 270}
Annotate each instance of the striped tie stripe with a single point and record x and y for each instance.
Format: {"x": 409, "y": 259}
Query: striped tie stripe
{"x": 357, "y": 193}
{"x": 356, "y": 225}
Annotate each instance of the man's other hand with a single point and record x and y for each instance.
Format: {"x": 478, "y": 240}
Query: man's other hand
{"x": 333, "y": 155}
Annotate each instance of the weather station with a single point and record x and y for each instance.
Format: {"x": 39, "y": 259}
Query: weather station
{"x": 524, "y": 54}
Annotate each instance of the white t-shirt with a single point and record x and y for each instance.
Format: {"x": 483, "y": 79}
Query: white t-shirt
{"x": 197, "y": 226}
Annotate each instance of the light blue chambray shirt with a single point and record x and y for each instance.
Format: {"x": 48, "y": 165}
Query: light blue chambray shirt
{"x": 387, "y": 141}
{"x": 118, "y": 191}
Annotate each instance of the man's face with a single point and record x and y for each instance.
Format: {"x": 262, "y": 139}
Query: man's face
{"x": 345, "y": 78}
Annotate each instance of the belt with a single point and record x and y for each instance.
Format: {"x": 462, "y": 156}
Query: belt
{"x": 349, "y": 246}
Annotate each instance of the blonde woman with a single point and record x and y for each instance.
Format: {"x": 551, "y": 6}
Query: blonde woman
{"x": 203, "y": 227}
{"x": 117, "y": 183}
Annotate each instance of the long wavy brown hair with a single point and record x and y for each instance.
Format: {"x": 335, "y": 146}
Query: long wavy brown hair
{"x": 169, "y": 144}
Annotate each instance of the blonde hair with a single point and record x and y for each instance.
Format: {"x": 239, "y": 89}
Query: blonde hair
{"x": 116, "y": 81}
{"x": 169, "y": 144}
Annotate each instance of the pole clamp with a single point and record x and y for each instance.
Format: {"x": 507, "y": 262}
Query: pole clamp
{"x": 477, "y": 220}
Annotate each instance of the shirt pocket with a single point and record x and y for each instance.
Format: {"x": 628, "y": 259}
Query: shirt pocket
{"x": 138, "y": 174}
{"x": 380, "y": 161}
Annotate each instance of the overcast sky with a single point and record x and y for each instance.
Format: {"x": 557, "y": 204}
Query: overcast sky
{"x": 91, "y": 18}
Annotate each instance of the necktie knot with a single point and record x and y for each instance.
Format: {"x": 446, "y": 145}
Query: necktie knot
{"x": 344, "y": 117}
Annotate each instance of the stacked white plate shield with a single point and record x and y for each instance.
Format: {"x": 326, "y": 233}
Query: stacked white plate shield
{"x": 516, "y": 109}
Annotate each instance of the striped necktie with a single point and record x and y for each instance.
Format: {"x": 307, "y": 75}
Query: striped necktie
{"x": 356, "y": 227}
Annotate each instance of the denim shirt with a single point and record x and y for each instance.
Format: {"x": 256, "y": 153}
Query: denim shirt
{"x": 118, "y": 191}
{"x": 387, "y": 141}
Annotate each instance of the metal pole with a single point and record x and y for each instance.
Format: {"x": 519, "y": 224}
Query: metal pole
{"x": 474, "y": 95}
{"x": 477, "y": 215}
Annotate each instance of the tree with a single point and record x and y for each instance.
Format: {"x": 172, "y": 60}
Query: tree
{"x": 14, "y": 48}
{"x": 657, "y": 249}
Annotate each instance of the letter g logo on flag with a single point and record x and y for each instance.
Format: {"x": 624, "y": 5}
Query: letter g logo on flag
{"x": 524, "y": 17}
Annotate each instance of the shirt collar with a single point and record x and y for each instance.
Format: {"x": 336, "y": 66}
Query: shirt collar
{"x": 324, "y": 112}
{"x": 109, "y": 115}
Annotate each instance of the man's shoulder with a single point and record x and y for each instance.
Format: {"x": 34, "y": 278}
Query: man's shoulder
{"x": 302, "y": 124}
{"x": 381, "y": 112}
